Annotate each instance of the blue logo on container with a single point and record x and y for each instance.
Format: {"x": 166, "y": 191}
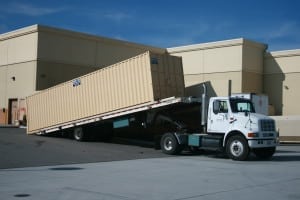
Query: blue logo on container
{"x": 76, "y": 82}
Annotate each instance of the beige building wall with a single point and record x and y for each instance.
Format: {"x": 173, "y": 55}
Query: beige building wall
{"x": 282, "y": 80}
{"x": 18, "y": 52}
{"x": 18, "y": 46}
{"x": 216, "y": 63}
{"x": 52, "y": 73}
{"x": 20, "y": 75}
{"x": 252, "y": 67}
{"x": 63, "y": 46}
{"x": 216, "y": 83}
{"x": 64, "y": 55}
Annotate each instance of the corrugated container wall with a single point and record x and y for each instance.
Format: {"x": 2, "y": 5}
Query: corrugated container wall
{"x": 141, "y": 79}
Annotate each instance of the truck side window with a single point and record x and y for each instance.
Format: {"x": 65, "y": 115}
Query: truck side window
{"x": 220, "y": 107}
{"x": 223, "y": 107}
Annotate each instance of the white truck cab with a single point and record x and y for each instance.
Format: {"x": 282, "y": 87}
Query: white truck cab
{"x": 236, "y": 118}
{"x": 232, "y": 126}
{"x": 228, "y": 115}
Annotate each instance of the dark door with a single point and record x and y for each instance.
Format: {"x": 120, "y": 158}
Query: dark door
{"x": 12, "y": 110}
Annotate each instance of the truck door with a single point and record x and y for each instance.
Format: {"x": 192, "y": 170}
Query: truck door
{"x": 218, "y": 120}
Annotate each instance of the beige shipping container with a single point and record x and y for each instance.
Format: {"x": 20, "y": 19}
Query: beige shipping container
{"x": 141, "y": 79}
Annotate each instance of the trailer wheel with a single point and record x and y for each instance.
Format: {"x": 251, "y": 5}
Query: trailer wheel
{"x": 78, "y": 134}
{"x": 237, "y": 148}
{"x": 169, "y": 144}
{"x": 264, "y": 153}
{"x": 41, "y": 133}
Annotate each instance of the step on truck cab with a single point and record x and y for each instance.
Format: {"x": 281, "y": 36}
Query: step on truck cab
{"x": 230, "y": 124}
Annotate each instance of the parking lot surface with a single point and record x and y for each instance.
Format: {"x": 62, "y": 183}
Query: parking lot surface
{"x": 20, "y": 150}
{"x": 176, "y": 178}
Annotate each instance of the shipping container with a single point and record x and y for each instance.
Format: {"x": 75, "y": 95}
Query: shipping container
{"x": 145, "y": 78}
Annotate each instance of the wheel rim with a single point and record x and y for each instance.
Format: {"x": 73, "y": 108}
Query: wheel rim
{"x": 168, "y": 144}
{"x": 39, "y": 133}
{"x": 236, "y": 148}
{"x": 78, "y": 133}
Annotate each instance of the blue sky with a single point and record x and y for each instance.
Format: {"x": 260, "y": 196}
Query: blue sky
{"x": 164, "y": 23}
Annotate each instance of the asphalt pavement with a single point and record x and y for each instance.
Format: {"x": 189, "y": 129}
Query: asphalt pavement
{"x": 189, "y": 177}
{"x": 20, "y": 150}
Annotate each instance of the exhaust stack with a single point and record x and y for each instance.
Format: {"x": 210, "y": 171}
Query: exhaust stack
{"x": 229, "y": 87}
{"x": 203, "y": 110}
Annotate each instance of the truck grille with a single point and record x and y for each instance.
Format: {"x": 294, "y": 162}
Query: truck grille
{"x": 267, "y": 125}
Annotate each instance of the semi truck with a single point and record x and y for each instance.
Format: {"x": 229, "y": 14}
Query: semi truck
{"x": 224, "y": 124}
{"x": 94, "y": 103}
{"x": 229, "y": 124}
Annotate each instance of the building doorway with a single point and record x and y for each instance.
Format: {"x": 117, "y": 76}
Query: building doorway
{"x": 12, "y": 111}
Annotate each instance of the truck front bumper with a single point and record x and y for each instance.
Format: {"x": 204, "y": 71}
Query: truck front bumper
{"x": 262, "y": 143}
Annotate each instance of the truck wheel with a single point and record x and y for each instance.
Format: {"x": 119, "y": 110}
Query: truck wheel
{"x": 264, "y": 153}
{"x": 78, "y": 134}
{"x": 237, "y": 148}
{"x": 169, "y": 144}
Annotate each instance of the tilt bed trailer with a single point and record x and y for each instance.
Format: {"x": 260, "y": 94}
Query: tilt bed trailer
{"x": 228, "y": 124}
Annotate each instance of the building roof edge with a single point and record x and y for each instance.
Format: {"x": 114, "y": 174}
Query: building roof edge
{"x": 44, "y": 28}
{"x": 19, "y": 32}
{"x": 217, "y": 44}
{"x": 284, "y": 53}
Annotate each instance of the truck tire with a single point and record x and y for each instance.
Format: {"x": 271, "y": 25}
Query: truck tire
{"x": 78, "y": 134}
{"x": 169, "y": 144}
{"x": 264, "y": 153}
{"x": 237, "y": 148}
{"x": 41, "y": 133}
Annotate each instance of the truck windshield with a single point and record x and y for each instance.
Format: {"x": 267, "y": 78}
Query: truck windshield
{"x": 241, "y": 105}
